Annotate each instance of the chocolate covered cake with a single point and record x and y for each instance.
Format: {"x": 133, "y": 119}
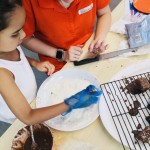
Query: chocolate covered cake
{"x": 143, "y": 135}
{"x": 138, "y": 86}
{"x": 42, "y": 136}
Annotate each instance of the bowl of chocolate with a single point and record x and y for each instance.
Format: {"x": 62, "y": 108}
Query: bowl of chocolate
{"x": 42, "y": 135}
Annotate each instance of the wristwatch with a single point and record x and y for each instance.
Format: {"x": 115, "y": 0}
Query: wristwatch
{"x": 60, "y": 55}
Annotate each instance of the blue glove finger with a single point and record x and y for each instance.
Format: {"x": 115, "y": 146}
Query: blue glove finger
{"x": 92, "y": 90}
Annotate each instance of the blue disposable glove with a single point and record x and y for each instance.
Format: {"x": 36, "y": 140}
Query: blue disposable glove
{"x": 83, "y": 99}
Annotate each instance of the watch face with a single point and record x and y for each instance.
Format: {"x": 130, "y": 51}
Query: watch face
{"x": 59, "y": 54}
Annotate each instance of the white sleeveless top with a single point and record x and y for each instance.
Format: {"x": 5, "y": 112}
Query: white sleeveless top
{"x": 25, "y": 80}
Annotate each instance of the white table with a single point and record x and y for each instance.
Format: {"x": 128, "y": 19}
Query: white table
{"x": 95, "y": 134}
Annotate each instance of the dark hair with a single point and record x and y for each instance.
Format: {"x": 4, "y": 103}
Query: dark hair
{"x": 6, "y": 7}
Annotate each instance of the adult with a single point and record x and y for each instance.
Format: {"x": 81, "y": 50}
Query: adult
{"x": 58, "y": 29}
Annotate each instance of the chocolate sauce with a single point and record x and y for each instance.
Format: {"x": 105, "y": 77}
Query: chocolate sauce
{"x": 133, "y": 111}
{"x": 43, "y": 138}
{"x": 148, "y": 106}
{"x": 148, "y": 119}
{"x": 143, "y": 135}
{"x": 139, "y": 126}
{"x": 137, "y": 104}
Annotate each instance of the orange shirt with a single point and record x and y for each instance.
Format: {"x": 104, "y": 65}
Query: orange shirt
{"x": 61, "y": 27}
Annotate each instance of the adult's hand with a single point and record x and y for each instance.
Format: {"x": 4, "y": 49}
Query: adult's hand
{"x": 98, "y": 46}
{"x": 75, "y": 52}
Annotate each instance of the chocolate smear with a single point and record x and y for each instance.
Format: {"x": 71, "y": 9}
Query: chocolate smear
{"x": 148, "y": 119}
{"x": 133, "y": 111}
{"x": 143, "y": 135}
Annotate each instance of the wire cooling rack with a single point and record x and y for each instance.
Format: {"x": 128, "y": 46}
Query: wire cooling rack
{"x": 118, "y": 103}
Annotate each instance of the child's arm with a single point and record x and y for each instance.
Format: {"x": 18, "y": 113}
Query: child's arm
{"x": 45, "y": 66}
{"x": 19, "y": 106}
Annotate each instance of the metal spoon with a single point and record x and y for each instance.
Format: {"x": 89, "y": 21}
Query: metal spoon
{"x": 34, "y": 145}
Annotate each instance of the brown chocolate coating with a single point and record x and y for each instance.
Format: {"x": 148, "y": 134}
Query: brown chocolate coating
{"x": 42, "y": 135}
{"x": 137, "y": 104}
{"x": 143, "y": 135}
{"x": 148, "y": 106}
{"x": 133, "y": 111}
{"x": 43, "y": 138}
{"x": 148, "y": 119}
{"x": 138, "y": 86}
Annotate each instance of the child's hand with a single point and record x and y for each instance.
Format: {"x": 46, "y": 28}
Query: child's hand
{"x": 45, "y": 66}
{"x": 84, "y": 98}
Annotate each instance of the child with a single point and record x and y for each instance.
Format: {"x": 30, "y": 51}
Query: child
{"x": 17, "y": 82}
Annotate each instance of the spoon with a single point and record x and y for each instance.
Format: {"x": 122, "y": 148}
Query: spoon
{"x": 34, "y": 145}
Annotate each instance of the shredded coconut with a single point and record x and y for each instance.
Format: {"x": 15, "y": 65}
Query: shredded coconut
{"x": 64, "y": 88}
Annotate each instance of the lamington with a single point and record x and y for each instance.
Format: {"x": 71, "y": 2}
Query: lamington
{"x": 138, "y": 86}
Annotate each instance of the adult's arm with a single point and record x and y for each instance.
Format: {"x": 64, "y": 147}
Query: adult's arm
{"x": 102, "y": 28}
{"x": 22, "y": 110}
{"x": 40, "y": 47}
{"x": 31, "y": 42}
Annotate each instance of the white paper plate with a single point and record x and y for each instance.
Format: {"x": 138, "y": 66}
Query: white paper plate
{"x": 78, "y": 118}
{"x": 135, "y": 69}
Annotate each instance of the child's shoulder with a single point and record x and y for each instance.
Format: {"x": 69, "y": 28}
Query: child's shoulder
{"x": 6, "y": 80}
{"x": 5, "y": 73}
